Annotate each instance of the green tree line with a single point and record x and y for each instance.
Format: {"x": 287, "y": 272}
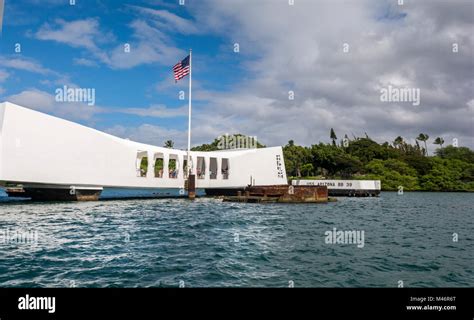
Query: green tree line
{"x": 397, "y": 163}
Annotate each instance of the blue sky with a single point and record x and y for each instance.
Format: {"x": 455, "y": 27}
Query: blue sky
{"x": 117, "y": 86}
{"x": 282, "y": 48}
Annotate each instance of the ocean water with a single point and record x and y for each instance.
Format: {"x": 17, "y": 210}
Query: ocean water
{"x": 421, "y": 239}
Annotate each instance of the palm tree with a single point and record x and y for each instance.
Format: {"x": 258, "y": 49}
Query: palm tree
{"x": 424, "y": 137}
{"x": 333, "y": 137}
{"x": 439, "y": 141}
{"x": 398, "y": 142}
{"x": 169, "y": 144}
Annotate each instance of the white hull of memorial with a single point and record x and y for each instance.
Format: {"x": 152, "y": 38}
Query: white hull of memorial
{"x": 52, "y": 158}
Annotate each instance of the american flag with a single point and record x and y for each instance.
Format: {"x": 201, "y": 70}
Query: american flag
{"x": 181, "y": 69}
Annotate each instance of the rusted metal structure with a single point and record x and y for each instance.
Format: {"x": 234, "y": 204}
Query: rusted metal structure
{"x": 281, "y": 194}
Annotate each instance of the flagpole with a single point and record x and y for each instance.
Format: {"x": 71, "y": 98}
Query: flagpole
{"x": 190, "y": 166}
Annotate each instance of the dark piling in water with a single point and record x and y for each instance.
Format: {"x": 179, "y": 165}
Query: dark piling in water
{"x": 192, "y": 187}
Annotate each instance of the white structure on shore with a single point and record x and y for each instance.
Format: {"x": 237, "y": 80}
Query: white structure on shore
{"x": 345, "y": 187}
{"x": 39, "y": 150}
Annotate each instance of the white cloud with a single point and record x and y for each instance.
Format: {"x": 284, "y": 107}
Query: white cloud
{"x": 149, "y": 134}
{"x": 84, "y": 33}
{"x": 78, "y": 33}
{"x": 3, "y": 75}
{"x": 45, "y": 102}
{"x": 165, "y": 20}
{"x": 470, "y": 104}
{"x": 25, "y": 65}
{"x": 157, "y": 111}
{"x": 300, "y": 48}
{"x": 148, "y": 43}
{"x": 85, "y": 62}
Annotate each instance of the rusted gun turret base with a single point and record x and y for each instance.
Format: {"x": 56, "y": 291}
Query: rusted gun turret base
{"x": 282, "y": 194}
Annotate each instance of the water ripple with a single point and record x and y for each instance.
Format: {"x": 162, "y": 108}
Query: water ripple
{"x": 172, "y": 242}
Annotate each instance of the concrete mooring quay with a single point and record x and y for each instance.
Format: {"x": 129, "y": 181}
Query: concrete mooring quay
{"x": 282, "y": 194}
